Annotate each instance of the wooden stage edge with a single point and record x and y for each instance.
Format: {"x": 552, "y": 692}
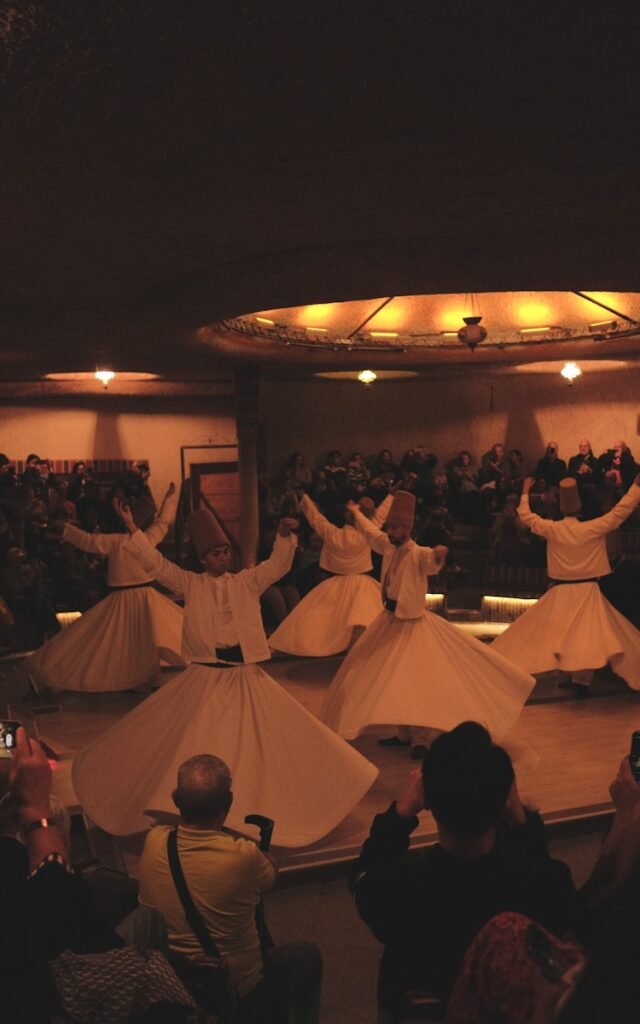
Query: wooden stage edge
{"x": 565, "y": 751}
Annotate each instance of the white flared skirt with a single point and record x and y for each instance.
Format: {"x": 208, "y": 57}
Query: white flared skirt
{"x": 116, "y": 645}
{"x": 573, "y": 627}
{"x": 423, "y": 672}
{"x": 285, "y": 764}
{"x": 323, "y": 622}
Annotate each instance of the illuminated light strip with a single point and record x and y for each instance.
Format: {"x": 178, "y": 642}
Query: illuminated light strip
{"x": 505, "y": 609}
{"x": 383, "y": 334}
{"x": 322, "y": 330}
{"x": 449, "y": 334}
{"x": 603, "y": 323}
{"x": 533, "y": 330}
{"x": 265, "y": 320}
{"x": 66, "y": 618}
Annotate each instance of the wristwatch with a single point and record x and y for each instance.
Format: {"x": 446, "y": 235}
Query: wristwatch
{"x": 32, "y": 826}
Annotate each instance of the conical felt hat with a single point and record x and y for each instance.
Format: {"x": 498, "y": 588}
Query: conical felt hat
{"x": 570, "y": 503}
{"x": 206, "y": 532}
{"x": 403, "y": 509}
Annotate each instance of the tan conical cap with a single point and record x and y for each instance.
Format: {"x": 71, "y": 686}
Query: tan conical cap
{"x": 403, "y": 509}
{"x": 206, "y": 532}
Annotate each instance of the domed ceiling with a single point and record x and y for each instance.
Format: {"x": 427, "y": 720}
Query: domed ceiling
{"x": 413, "y": 331}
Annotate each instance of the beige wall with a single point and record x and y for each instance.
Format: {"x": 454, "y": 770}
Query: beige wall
{"x": 522, "y": 410}
{"x": 125, "y": 428}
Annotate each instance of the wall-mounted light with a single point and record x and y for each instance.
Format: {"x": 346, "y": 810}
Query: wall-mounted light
{"x": 367, "y": 377}
{"x": 265, "y": 320}
{"x": 105, "y": 377}
{"x": 570, "y": 372}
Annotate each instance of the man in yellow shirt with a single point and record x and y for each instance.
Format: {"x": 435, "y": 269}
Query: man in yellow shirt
{"x": 226, "y": 876}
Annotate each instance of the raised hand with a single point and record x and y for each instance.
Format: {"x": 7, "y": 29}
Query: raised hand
{"x": 124, "y": 512}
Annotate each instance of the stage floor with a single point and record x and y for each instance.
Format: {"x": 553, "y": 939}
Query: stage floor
{"x": 566, "y": 752}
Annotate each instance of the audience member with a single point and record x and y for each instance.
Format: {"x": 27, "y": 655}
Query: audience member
{"x": 297, "y": 476}
{"x": 550, "y": 468}
{"x": 491, "y": 856}
{"x": 385, "y": 468}
{"x": 463, "y": 475}
{"x": 618, "y": 465}
{"x": 517, "y": 471}
{"x": 510, "y": 539}
{"x": 358, "y": 475}
{"x": 584, "y": 465}
{"x": 495, "y": 469}
{"x": 226, "y": 876}
{"x": 336, "y": 472}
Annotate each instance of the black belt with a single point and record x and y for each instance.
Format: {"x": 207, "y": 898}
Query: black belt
{"x": 566, "y": 583}
{"x": 132, "y": 586}
{"x": 226, "y": 654}
{"x": 390, "y": 605}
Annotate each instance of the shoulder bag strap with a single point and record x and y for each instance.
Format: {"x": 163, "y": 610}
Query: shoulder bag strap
{"x": 192, "y": 913}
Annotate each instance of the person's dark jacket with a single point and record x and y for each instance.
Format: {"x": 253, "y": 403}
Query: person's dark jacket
{"x": 426, "y": 908}
{"x": 551, "y": 471}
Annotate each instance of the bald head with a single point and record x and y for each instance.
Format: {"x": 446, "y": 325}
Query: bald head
{"x": 203, "y": 794}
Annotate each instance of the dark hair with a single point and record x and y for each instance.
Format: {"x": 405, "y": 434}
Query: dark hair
{"x": 32, "y": 456}
{"x": 466, "y": 780}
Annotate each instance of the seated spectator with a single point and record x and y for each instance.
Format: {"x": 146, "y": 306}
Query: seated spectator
{"x": 21, "y": 585}
{"x": 510, "y": 538}
{"x": 336, "y": 473}
{"x": 421, "y": 463}
{"x": 8, "y": 486}
{"x": 584, "y": 466}
{"x": 78, "y": 480}
{"x": 226, "y": 876}
{"x": 496, "y": 468}
{"x": 31, "y": 475}
{"x": 323, "y": 488}
{"x": 47, "y": 478}
{"x": 463, "y": 476}
{"x": 358, "y": 475}
{"x": 385, "y": 468}
{"x": 378, "y": 489}
{"x": 550, "y": 468}
{"x": 297, "y": 476}
{"x": 517, "y": 471}
{"x": 618, "y": 466}
{"x": 438, "y": 493}
{"x": 491, "y": 856}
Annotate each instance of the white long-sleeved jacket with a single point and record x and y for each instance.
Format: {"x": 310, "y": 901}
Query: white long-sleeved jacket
{"x": 576, "y": 550}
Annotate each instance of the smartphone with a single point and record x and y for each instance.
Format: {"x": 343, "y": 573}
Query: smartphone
{"x": 634, "y": 756}
{"x": 8, "y": 728}
{"x": 553, "y": 962}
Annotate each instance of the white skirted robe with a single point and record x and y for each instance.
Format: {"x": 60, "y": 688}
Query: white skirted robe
{"x": 573, "y": 627}
{"x": 118, "y": 644}
{"x": 284, "y": 763}
{"x": 414, "y": 668}
{"x": 323, "y": 622}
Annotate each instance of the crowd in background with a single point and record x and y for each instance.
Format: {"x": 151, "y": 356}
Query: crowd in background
{"x": 39, "y": 575}
{"x": 481, "y": 493}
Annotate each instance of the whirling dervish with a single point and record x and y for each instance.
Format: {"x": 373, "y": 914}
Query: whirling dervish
{"x": 324, "y": 621}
